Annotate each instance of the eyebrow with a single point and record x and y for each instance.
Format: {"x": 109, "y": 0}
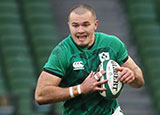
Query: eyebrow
{"x": 74, "y": 23}
{"x": 86, "y": 22}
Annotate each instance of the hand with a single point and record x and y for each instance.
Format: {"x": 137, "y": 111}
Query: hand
{"x": 91, "y": 84}
{"x": 126, "y": 75}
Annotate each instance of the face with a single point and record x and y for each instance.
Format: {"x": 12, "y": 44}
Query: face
{"x": 82, "y": 28}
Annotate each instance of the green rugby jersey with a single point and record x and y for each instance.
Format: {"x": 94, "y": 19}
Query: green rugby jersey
{"x": 73, "y": 64}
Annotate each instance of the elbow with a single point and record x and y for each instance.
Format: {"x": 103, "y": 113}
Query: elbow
{"x": 42, "y": 99}
{"x": 139, "y": 81}
{"x": 137, "y": 85}
{"x": 141, "y": 84}
{"x": 39, "y": 99}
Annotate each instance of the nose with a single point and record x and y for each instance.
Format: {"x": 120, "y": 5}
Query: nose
{"x": 80, "y": 29}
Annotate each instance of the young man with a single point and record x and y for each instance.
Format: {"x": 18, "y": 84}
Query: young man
{"x": 69, "y": 73}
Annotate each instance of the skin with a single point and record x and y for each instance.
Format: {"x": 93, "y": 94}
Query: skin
{"x": 48, "y": 84}
{"x": 131, "y": 74}
{"x": 82, "y": 28}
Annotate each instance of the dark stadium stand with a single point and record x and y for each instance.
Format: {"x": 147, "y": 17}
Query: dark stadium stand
{"x": 41, "y": 31}
{"x": 141, "y": 12}
{"x": 158, "y": 9}
{"x": 146, "y": 30}
{"x": 3, "y": 88}
{"x": 16, "y": 55}
{"x": 41, "y": 34}
{"x": 26, "y": 30}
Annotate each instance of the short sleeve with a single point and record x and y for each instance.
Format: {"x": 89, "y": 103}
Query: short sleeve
{"x": 56, "y": 63}
{"x": 120, "y": 50}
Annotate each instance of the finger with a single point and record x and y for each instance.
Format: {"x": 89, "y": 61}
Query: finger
{"x": 127, "y": 79}
{"x": 101, "y": 82}
{"x": 100, "y": 89}
{"x": 90, "y": 75}
{"x": 122, "y": 73}
{"x": 130, "y": 81}
{"x": 98, "y": 75}
{"x": 130, "y": 76}
{"x": 103, "y": 72}
{"x": 119, "y": 68}
{"x": 93, "y": 74}
{"x": 125, "y": 76}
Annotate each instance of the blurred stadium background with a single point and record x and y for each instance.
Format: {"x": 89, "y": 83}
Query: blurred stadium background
{"x": 30, "y": 29}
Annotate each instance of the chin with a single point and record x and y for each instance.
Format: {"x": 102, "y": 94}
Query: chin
{"x": 83, "y": 45}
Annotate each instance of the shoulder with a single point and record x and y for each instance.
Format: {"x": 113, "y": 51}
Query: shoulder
{"x": 63, "y": 46}
{"x": 106, "y": 38}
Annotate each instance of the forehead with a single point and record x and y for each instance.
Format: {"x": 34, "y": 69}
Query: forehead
{"x": 85, "y": 17}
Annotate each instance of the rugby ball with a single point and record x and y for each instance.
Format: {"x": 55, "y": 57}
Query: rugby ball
{"x": 113, "y": 86}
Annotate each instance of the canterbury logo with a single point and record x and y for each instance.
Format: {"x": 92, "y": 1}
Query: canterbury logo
{"x": 78, "y": 65}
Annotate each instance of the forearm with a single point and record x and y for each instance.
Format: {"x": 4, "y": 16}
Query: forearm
{"x": 48, "y": 90}
{"x": 132, "y": 74}
{"x": 51, "y": 94}
{"x": 139, "y": 81}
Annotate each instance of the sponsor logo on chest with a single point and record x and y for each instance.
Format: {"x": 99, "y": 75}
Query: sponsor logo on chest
{"x": 78, "y": 65}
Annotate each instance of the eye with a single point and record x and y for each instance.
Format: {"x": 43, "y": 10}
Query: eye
{"x": 86, "y": 24}
{"x": 75, "y": 25}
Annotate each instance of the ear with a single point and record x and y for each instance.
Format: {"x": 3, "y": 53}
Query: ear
{"x": 68, "y": 22}
{"x": 96, "y": 24}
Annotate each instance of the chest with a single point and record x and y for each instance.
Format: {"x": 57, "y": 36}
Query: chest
{"x": 81, "y": 64}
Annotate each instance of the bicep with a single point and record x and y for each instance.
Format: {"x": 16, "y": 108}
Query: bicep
{"x": 130, "y": 64}
{"x": 48, "y": 91}
{"x": 47, "y": 79}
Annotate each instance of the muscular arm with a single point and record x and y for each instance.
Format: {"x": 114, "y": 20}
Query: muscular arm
{"x": 48, "y": 91}
{"x": 131, "y": 74}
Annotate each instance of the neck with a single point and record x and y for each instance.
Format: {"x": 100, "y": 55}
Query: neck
{"x": 92, "y": 43}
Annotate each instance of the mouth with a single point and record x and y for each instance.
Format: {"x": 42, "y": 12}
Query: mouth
{"x": 81, "y": 37}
